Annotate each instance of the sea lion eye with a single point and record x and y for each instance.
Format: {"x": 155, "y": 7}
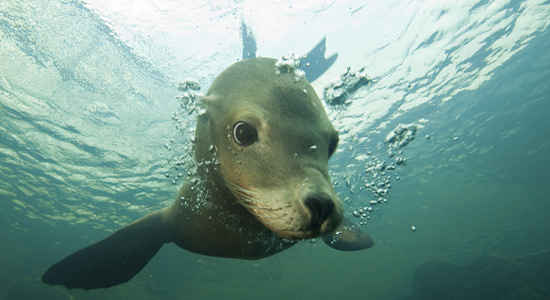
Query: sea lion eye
{"x": 244, "y": 134}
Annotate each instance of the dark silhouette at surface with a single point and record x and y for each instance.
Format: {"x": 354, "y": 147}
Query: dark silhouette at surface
{"x": 249, "y": 42}
{"x": 314, "y": 64}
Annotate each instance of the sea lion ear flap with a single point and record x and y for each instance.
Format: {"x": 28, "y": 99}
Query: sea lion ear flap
{"x": 210, "y": 101}
{"x": 348, "y": 237}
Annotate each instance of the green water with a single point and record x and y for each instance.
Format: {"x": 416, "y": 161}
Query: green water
{"x": 84, "y": 118}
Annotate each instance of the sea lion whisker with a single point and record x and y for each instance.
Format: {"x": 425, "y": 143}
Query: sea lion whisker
{"x": 253, "y": 203}
{"x": 248, "y": 198}
{"x": 241, "y": 190}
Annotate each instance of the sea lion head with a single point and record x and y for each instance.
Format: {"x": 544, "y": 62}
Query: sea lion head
{"x": 271, "y": 140}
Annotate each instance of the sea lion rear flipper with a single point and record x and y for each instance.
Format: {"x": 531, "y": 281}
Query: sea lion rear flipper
{"x": 113, "y": 260}
{"x": 348, "y": 237}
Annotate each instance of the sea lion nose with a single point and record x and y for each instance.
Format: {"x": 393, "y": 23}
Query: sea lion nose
{"x": 320, "y": 206}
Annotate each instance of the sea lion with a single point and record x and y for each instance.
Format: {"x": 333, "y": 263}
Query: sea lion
{"x": 262, "y": 148}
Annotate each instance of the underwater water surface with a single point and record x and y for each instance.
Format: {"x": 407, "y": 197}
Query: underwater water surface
{"x": 88, "y": 142}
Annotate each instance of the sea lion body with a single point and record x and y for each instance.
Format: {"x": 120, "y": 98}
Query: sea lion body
{"x": 262, "y": 149}
{"x": 219, "y": 227}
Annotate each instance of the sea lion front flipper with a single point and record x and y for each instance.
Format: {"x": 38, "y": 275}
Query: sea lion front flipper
{"x": 113, "y": 260}
{"x": 348, "y": 237}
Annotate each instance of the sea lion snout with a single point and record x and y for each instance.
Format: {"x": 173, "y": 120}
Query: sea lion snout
{"x": 320, "y": 206}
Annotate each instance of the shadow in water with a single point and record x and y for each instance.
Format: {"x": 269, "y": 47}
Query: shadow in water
{"x": 486, "y": 277}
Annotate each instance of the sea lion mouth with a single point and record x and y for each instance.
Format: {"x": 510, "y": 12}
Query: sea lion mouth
{"x": 312, "y": 218}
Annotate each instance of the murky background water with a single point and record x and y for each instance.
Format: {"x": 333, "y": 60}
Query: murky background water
{"x": 87, "y": 95}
